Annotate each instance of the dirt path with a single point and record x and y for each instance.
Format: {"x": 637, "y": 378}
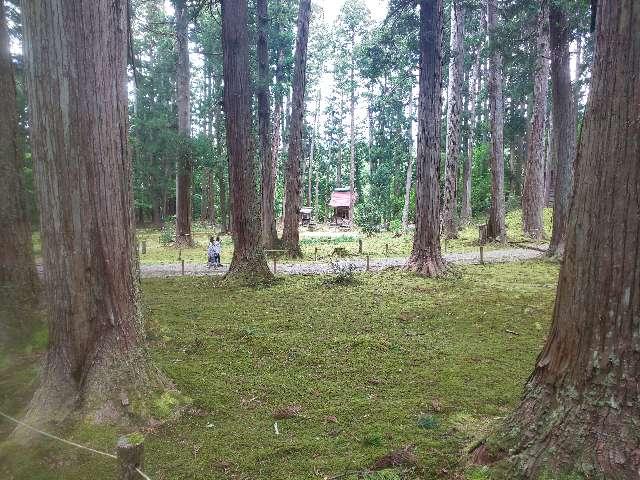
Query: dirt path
{"x": 323, "y": 267}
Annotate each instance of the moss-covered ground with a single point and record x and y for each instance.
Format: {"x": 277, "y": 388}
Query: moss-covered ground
{"x": 351, "y": 372}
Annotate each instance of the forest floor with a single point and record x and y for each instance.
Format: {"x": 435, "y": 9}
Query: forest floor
{"x": 349, "y": 372}
{"x": 357, "y": 263}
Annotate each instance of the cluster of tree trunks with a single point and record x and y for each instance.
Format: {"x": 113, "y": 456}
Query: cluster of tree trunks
{"x": 563, "y": 141}
{"x": 580, "y": 410}
{"x": 248, "y": 256}
{"x": 78, "y": 112}
{"x": 18, "y": 279}
{"x": 290, "y": 234}
{"x": 454, "y": 112}
{"x": 184, "y": 167}
{"x": 426, "y": 257}
{"x": 496, "y": 228}
{"x": 533, "y": 194}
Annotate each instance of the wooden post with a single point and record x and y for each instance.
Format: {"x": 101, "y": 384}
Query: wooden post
{"x": 144, "y": 247}
{"x": 360, "y": 246}
{"x": 182, "y": 261}
{"x": 274, "y": 264}
{"x": 130, "y": 452}
{"x": 482, "y": 254}
{"x": 179, "y": 254}
{"x": 315, "y": 254}
{"x": 386, "y": 249}
{"x": 367, "y": 263}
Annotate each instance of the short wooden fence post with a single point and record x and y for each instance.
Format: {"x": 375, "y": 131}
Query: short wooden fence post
{"x": 274, "y": 264}
{"x": 130, "y": 452}
{"x": 386, "y": 249}
{"x": 360, "y": 246}
{"x": 144, "y": 247}
{"x": 315, "y": 254}
{"x": 367, "y": 263}
{"x": 182, "y": 261}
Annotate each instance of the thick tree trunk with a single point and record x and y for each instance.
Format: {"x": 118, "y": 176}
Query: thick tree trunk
{"x": 426, "y": 258}
{"x": 248, "y": 261}
{"x": 184, "y": 167}
{"x": 496, "y": 228}
{"x": 579, "y": 414}
{"x": 269, "y": 234}
{"x": 454, "y": 110}
{"x": 534, "y": 192}
{"x": 78, "y": 100}
{"x": 18, "y": 278}
{"x": 474, "y": 88}
{"x": 563, "y": 140}
{"x": 290, "y": 235}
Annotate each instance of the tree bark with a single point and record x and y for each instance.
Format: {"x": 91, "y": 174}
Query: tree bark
{"x": 352, "y": 127}
{"x": 269, "y": 234}
{"x": 184, "y": 167}
{"x": 18, "y": 278}
{"x": 248, "y": 261}
{"x": 78, "y": 100}
{"x": 454, "y": 109}
{"x": 564, "y": 129}
{"x": 409, "y": 177}
{"x": 290, "y": 235}
{"x": 533, "y": 193}
{"x": 313, "y": 145}
{"x": 496, "y": 229}
{"x": 474, "y": 90}
{"x": 580, "y": 410}
{"x": 426, "y": 258}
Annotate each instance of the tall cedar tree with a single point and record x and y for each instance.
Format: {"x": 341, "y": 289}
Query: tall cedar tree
{"x": 496, "y": 228}
{"x": 564, "y": 131}
{"x": 184, "y": 167}
{"x": 290, "y": 235}
{"x": 580, "y": 410}
{"x": 474, "y": 87}
{"x": 248, "y": 261}
{"x": 426, "y": 257}
{"x": 269, "y": 234}
{"x": 534, "y": 192}
{"x": 454, "y": 117}
{"x": 18, "y": 279}
{"x": 78, "y": 100}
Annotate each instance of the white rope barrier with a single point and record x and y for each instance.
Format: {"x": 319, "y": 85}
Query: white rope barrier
{"x": 68, "y": 442}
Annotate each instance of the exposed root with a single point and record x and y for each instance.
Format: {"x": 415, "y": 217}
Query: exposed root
{"x": 427, "y": 264}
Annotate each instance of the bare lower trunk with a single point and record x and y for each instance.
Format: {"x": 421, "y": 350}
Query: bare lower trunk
{"x": 474, "y": 88}
{"x": 409, "y": 177}
{"x": 426, "y": 258}
{"x": 496, "y": 228}
{"x": 579, "y": 414}
{"x": 269, "y": 234}
{"x": 534, "y": 192}
{"x": 352, "y": 129}
{"x": 248, "y": 261}
{"x": 18, "y": 279}
{"x": 78, "y": 100}
{"x": 290, "y": 235}
{"x": 564, "y": 131}
{"x": 454, "y": 109}
{"x": 312, "y": 150}
{"x": 184, "y": 167}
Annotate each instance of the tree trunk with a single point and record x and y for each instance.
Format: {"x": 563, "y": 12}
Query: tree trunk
{"x": 579, "y": 414}
{"x": 184, "y": 167}
{"x": 534, "y": 192}
{"x": 454, "y": 109}
{"x": 409, "y": 177}
{"x": 474, "y": 90}
{"x": 78, "y": 100}
{"x": 496, "y": 229}
{"x": 313, "y": 145}
{"x": 269, "y": 234}
{"x": 426, "y": 258}
{"x": 248, "y": 261}
{"x": 18, "y": 278}
{"x": 277, "y": 130}
{"x": 290, "y": 235}
{"x": 204, "y": 204}
{"x": 564, "y": 129}
{"x": 352, "y": 132}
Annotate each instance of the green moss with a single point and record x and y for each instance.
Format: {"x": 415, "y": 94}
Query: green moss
{"x": 166, "y": 404}
{"x": 362, "y": 361}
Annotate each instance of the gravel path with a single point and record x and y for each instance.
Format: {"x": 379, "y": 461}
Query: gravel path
{"x": 323, "y": 267}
